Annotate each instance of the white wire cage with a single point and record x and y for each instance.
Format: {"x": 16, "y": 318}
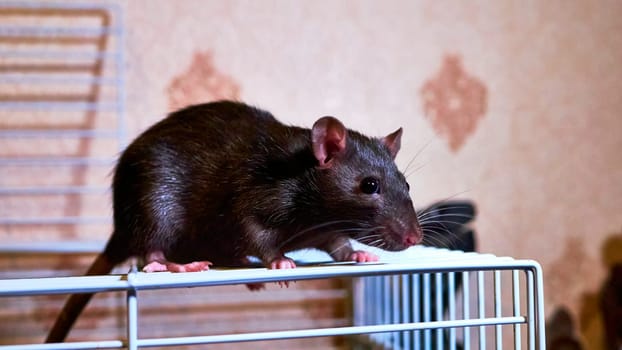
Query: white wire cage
{"x": 463, "y": 301}
{"x": 393, "y": 302}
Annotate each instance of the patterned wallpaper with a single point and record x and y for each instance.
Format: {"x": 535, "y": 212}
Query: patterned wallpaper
{"x": 454, "y": 102}
{"x": 514, "y": 105}
{"x": 201, "y": 82}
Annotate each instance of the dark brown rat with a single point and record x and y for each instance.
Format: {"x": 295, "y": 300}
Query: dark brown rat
{"x": 219, "y": 182}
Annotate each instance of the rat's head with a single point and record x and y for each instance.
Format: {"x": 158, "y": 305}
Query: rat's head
{"x": 361, "y": 186}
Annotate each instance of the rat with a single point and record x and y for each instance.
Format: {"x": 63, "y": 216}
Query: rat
{"x": 216, "y": 183}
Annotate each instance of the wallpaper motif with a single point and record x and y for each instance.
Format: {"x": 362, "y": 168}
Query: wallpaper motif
{"x": 454, "y": 102}
{"x": 201, "y": 82}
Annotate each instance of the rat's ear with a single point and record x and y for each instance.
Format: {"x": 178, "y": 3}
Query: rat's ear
{"x": 328, "y": 137}
{"x": 393, "y": 142}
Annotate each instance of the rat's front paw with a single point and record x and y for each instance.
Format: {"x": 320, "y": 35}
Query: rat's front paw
{"x": 361, "y": 256}
{"x": 282, "y": 263}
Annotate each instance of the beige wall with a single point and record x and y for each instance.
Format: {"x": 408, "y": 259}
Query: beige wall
{"x": 542, "y": 163}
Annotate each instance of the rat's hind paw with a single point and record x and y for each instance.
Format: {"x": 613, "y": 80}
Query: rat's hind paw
{"x": 196, "y": 266}
{"x": 361, "y": 256}
{"x": 157, "y": 263}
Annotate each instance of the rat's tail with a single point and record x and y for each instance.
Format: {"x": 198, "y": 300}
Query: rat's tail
{"x": 76, "y": 302}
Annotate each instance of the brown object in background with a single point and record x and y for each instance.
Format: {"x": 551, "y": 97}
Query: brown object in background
{"x": 200, "y": 83}
{"x": 600, "y": 316}
{"x": 454, "y": 102}
{"x": 560, "y": 331}
{"x": 611, "y": 307}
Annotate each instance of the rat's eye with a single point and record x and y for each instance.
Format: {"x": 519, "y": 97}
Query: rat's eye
{"x": 370, "y": 185}
{"x": 408, "y": 186}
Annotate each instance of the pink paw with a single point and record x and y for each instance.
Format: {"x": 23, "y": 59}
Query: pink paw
{"x": 155, "y": 266}
{"x": 196, "y": 266}
{"x": 282, "y": 263}
{"x": 361, "y": 256}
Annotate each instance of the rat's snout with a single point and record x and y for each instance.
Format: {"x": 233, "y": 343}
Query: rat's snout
{"x": 400, "y": 235}
{"x": 413, "y": 237}
{"x": 401, "y": 228}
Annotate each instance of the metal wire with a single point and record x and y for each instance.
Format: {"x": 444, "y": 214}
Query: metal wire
{"x": 488, "y": 292}
{"x": 408, "y": 263}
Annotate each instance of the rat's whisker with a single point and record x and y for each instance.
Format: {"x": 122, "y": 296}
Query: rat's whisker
{"x": 422, "y": 214}
{"x": 440, "y": 222}
{"x": 417, "y": 154}
{"x": 449, "y": 198}
{"x": 440, "y": 239}
{"x": 415, "y": 170}
{"x": 435, "y": 229}
{"x": 433, "y": 241}
{"x": 311, "y": 229}
{"x": 357, "y": 230}
{"x": 338, "y": 248}
{"x": 376, "y": 242}
{"x": 372, "y": 240}
{"x": 427, "y": 212}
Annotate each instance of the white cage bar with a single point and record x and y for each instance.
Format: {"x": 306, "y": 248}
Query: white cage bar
{"x": 389, "y": 321}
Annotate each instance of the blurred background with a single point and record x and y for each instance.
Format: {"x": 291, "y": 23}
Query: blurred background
{"x": 514, "y": 105}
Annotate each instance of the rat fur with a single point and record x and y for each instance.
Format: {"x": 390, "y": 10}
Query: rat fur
{"x": 216, "y": 183}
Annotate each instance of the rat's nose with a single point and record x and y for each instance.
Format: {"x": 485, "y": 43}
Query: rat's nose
{"x": 413, "y": 238}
